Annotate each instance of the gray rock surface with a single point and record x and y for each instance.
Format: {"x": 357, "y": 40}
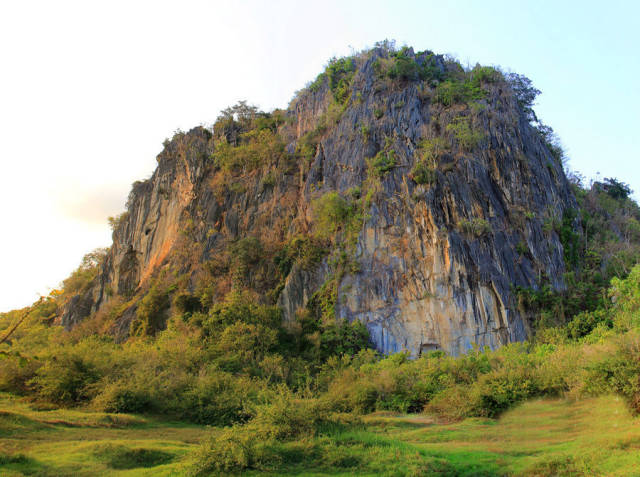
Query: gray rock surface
{"x": 423, "y": 282}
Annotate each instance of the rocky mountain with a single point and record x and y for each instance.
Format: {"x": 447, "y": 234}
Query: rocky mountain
{"x": 398, "y": 189}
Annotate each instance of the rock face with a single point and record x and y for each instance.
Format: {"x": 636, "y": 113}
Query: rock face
{"x": 437, "y": 263}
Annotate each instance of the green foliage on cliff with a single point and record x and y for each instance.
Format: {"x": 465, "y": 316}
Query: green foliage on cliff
{"x": 428, "y": 155}
{"x": 251, "y": 151}
{"x": 82, "y": 277}
{"x": 451, "y": 92}
{"x": 601, "y": 242}
{"x": 332, "y": 213}
{"x": 384, "y": 161}
{"x": 150, "y": 312}
{"x": 399, "y": 65}
{"x": 340, "y": 73}
{"x": 421, "y": 173}
{"x": 476, "y": 227}
{"x": 467, "y": 136}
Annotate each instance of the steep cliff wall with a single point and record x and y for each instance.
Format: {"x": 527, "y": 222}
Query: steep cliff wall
{"x": 433, "y": 262}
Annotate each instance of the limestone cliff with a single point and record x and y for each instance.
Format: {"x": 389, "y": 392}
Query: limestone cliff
{"x": 461, "y": 194}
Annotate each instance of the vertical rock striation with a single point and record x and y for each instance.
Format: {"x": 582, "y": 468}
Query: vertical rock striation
{"x": 437, "y": 263}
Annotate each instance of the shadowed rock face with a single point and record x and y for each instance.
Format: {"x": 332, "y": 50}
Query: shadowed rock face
{"x": 425, "y": 281}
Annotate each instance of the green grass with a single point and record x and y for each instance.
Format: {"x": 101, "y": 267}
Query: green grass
{"x": 539, "y": 438}
{"x": 82, "y": 443}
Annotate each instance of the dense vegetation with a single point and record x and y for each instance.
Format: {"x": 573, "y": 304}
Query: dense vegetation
{"x": 294, "y": 396}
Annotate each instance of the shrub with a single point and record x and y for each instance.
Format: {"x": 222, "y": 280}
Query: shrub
{"x": 116, "y": 221}
{"x": 256, "y": 444}
{"x": 485, "y": 74}
{"x": 382, "y": 162}
{"x": 340, "y": 73}
{"x": 68, "y": 379}
{"x": 618, "y": 372}
{"x": 123, "y": 397}
{"x": 16, "y": 372}
{"x": 475, "y": 227}
{"x": 332, "y": 213}
{"x": 552, "y": 141}
{"x": 241, "y": 346}
{"x": 301, "y": 249}
{"x": 522, "y": 248}
{"x": 150, "y": 314}
{"x": 399, "y": 65}
{"x": 365, "y": 131}
{"x": 467, "y": 136}
{"x": 245, "y": 255}
{"x": 451, "y": 92}
{"x": 185, "y": 302}
{"x": 239, "y": 307}
{"x": 253, "y": 149}
{"x": 218, "y": 398}
{"x": 453, "y": 403}
{"x": 315, "y": 86}
{"x": 525, "y": 93}
{"x": 615, "y": 188}
{"x": 343, "y": 338}
{"x": 422, "y": 174}
{"x": 430, "y": 150}
{"x": 232, "y": 450}
{"x": 89, "y": 268}
{"x": 500, "y": 389}
{"x": 584, "y": 323}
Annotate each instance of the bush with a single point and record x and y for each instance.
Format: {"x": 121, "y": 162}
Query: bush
{"x": 525, "y": 93}
{"x": 150, "y": 314}
{"x": 344, "y": 338}
{"x": 116, "y": 221}
{"x": 332, "y": 213}
{"x": 500, "y": 389}
{"x": 123, "y": 397}
{"x": 618, "y": 372}
{"x": 340, "y": 73}
{"x": 584, "y": 323}
{"x": 401, "y": 66}
{"x": 16, "y": 372}
{"x": 256, "y": 444}
{"x": 245, "y": 254}
{"x": 383, "y": 161}
{"x": 239, "y": 308}
{"x": 468, "y": 137}
{"x": 451, "y": 92}
{"x": 301, "y": 249}
{"x": 67, "y": 379}
{"x": 485, "y": 74}
{"x": 218, "y": 398}
{"x": 242, "y": 346}
{"x": 255, "y": 148}
{"x": 422, "y": 174}
{"x": 232, "y": 450}
{"x": 475, "y": 227}
{"x": 82, "y": 277}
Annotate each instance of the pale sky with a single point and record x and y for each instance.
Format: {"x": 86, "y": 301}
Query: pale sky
{"x": 90, "y": 89}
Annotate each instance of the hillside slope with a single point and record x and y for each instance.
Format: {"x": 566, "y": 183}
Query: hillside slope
{"x": 397, "y": 190}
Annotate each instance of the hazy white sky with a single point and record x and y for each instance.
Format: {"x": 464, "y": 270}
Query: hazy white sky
{"x": 90, "y": 89}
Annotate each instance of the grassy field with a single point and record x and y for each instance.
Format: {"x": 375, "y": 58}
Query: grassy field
{"x": 69, "y": 442}
{"x": 544, "y": 438}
